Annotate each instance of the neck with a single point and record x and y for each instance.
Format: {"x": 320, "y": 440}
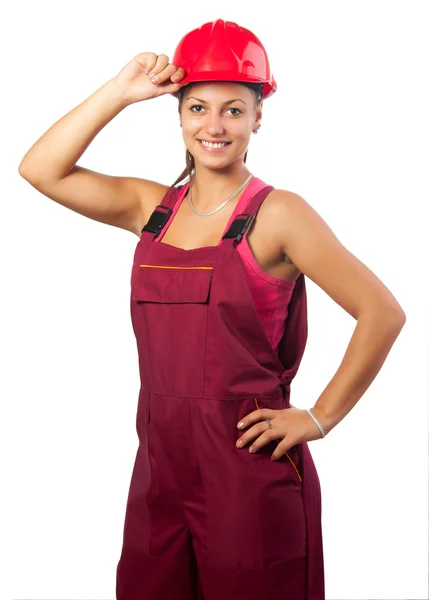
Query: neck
{"x": 211, "y": 188}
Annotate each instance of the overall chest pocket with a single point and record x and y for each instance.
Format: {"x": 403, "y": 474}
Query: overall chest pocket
{"x": 169, "y": 309}
{"x": 171, "y": 284}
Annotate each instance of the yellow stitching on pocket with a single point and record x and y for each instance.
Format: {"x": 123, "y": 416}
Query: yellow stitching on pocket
{"x": 277, "y": 442}
{"x": 169, "y": 267}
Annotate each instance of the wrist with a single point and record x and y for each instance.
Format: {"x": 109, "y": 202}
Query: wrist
{"x": 118, "y": 92}
{"x": 325, "y": 422}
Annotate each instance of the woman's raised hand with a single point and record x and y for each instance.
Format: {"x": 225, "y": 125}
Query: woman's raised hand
{"x": 136, "y": 82}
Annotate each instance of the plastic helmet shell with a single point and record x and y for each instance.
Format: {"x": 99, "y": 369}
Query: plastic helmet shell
{"x": 224, "y": 51}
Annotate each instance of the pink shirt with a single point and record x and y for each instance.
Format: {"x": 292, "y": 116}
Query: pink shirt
{"x": 270, "y": 294}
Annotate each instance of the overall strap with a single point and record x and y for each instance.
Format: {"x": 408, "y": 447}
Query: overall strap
{"x": 161, "y": 214}
{"x": 240, "y": 225}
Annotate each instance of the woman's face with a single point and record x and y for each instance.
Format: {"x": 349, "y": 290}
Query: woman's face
{"x": 218, "y": 112}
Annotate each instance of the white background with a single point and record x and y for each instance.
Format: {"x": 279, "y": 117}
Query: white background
{"x": 348, "y": 131}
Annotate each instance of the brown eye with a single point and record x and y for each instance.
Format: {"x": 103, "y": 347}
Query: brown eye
{"x": 199, "y": 106}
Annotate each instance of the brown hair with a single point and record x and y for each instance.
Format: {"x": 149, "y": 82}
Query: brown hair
{"x": 190, "y": 164}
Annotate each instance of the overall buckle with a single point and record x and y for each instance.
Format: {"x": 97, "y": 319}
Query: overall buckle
{"x": 239, "y": 226}
{"x": 158, "y": 219}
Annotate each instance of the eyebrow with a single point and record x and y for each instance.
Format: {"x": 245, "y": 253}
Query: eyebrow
{"x": 223, "y": 104}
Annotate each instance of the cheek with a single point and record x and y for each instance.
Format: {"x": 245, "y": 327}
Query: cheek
{"x": 191, "y": 123}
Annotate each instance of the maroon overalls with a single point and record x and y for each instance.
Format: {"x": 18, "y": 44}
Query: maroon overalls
{"x": 206, "y": 520}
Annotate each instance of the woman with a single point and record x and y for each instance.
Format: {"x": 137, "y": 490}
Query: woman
{"x": 218, "y": 307}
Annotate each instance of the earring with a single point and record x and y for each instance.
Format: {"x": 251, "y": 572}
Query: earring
{"x": 257, "y": 128}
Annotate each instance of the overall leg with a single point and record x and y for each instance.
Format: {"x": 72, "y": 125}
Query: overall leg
{"x": 249, "y": 534}
{"x": 255, "y": 552}
{"x": 157, "y": 560}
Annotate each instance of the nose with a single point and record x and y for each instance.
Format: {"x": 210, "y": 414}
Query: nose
{"x": 214, "y": 125}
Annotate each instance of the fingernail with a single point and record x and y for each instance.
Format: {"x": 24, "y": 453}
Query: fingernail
{"x": 250, "y": 449}
{"x": 154, "y": 79}
{"x": 240, "y": 425}
{"x": 239, "y": 443}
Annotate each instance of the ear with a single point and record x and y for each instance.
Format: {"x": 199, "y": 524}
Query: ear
{"x": 258, "y": 117}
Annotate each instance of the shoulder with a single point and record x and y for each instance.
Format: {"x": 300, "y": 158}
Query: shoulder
{"x": 317, "y": 252}
{"x": 296, "y": 227}
{"x": 287, "y": 205}
{"x": 289, "y": 215}
{"x": 283, "y": 203}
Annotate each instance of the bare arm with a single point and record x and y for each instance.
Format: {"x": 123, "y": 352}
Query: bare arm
{"x": 316, "y": 251}
{"x": 50, "y": 164}
{"x": 373, "y": 337}
{"x": 54, "y": 154}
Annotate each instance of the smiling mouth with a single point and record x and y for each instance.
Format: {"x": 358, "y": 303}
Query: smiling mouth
{"x": 224, "y": 143}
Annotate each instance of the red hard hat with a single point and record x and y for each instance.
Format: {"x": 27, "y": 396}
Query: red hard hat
{"x": 224, "y": 51}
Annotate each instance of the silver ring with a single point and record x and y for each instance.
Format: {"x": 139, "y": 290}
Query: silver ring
{"x": 268, "y": 422}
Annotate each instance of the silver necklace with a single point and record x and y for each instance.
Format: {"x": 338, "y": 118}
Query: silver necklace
{"x": 223, "y": 204}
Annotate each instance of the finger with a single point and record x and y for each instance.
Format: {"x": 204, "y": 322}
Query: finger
{"x": 282, "y": 447}
{"x": 147, "y": 60}
{"x": 251, "y": 434}
{"x": 161, "y": 63}
{"x": 165, "y": 74}
{"x": 178, "y": 75}
{"x": 256, "y": 415}
{"x": 267, "y": 437}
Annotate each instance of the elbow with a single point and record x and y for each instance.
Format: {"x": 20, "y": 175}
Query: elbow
{"x": 27, "y": 167}
{"x": 398, "y": 315}
{"x": 28, "y": 176}
{"x": 22, "y": 172}
{"x": 402, "y": 316}
{"x": 394, "y": 316}
{"x": 391, "y": 315}
{"x": 401, "y": 320}
{"x": 398, "y": 322}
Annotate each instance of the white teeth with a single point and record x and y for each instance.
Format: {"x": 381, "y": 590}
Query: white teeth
{"x": 210, "y": 145}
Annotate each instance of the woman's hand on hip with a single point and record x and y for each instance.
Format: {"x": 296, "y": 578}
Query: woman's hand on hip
{"x": 289, "y": 425}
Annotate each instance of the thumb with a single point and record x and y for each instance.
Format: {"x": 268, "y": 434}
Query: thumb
{"x": 171, "y": 88}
